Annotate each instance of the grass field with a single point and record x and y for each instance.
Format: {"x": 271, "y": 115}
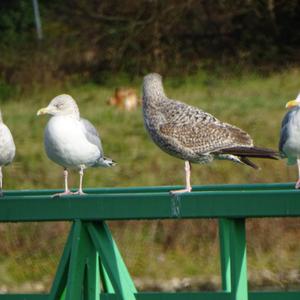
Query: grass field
{"x": 253, "y": 102}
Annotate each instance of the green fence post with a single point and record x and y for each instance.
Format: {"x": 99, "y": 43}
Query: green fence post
{"x": 112, "y": 261}
{"x": 238, "y": 259}
{"x": 83, "y": 275}
{"x": 92, "y": 275}
{"x": 74, "y": 288}
{"x": 224, "y": 237}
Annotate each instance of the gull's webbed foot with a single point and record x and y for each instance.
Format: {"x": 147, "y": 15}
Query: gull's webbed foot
{"x": 65, "y": 193}
{"x": 79, "y": 193}
{"x": 176, "y": 192}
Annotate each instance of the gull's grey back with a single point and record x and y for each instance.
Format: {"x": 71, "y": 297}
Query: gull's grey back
{"x": 284, "y": 135}
{"x": 91, "y": 133}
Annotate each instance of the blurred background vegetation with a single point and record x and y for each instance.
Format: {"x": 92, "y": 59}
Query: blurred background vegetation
{"x": 239, "y": 60}
{"x": 91, "y": 40}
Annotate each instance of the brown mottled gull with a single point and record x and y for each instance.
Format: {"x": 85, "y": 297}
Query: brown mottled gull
{"x": 191, "y": 134}
{"x": 71, "y": 141}
{"x": 7, "y": 148}
{"x": 289, "y": 144}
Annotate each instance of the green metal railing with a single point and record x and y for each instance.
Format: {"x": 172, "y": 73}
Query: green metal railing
{"x": 91, "y": 266}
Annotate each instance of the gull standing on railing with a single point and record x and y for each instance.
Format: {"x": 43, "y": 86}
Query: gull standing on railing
{"x": 191, "y": 134}
{"x": 289, "y": 144}
{"x": 71, "y": 141}
{"x": 7, "y": 148}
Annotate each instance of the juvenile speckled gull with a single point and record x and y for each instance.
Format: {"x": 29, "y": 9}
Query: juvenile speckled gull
{"x": 7, "y": 148}
{"x": 289, "y": 144}
{"x": 71, "y": 141}
{"x": 191, "y": 134}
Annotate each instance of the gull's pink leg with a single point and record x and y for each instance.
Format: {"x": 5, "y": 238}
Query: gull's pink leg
{"x": 188, "y": 187}
{"x": 297, "y": 186}
{"x": 67, "y": 191}
{"x": 80, "y": 191}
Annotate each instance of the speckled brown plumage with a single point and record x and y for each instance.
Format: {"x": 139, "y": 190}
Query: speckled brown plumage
{"x": 191, "y": 134}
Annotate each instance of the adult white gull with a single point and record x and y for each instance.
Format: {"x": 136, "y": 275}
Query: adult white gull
{"x": 289, "y": 144}
{"x": 7, "y": 148}
{"x": 71, "y": 141}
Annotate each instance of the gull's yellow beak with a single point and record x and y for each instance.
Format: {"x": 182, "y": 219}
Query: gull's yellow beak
{"x": 292, "y": 104}
{"x": 42, "y": 111}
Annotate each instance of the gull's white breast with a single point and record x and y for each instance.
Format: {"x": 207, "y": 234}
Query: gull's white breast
{"x": 67, "y": 145}
{"x": 7, "y": 145}
{"x": 292, "y": 144}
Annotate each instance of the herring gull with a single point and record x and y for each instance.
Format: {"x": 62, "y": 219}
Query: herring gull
{"x": 71, "y": 141}
{"x": 7, "y": 148}
{"x": 193, "y": 135}
{"x": 289, "y": 143}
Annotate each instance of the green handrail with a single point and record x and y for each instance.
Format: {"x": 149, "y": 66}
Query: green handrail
{"x": 91, "y": 265}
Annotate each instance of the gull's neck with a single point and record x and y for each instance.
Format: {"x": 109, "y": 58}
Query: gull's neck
{"x": 153, "y": 93}
{"x": 75, "y": 115}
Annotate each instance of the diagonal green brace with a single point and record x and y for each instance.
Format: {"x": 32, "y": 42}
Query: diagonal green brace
{"x": 74, "y": 288}
{"x": 90, "y": 257}
{"x": 77, "y": 276}
{"x": 59, "y": 283}
{"x": 112, "y": 260}
{"x": 92, "y": 274}
{"x": 106, "y": 282}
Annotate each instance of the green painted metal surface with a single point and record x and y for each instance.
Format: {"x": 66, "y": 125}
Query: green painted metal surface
{"x": 60, "y": 280}
{"x": 224, "y": 237}
{"x": 112, "y": 261}
{"x": 154, "y": 189}
{"x": 91, "y": 265}
{"x": 238, "y": 260}
{"x": 247, "y": 201}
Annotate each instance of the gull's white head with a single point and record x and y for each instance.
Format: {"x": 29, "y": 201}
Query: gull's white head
{"x": 62, "y": 105}
{"x": 293, "y": 103}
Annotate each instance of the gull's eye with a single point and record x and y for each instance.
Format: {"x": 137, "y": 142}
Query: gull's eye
{"x": 58, "y": 105}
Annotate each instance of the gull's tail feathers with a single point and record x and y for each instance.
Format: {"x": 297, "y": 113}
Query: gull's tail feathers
{"x": 249, "y": 163}
{"x": 105, "y": 162}
{"x": 258, "y": 152}
{"x": 243, "y": 154}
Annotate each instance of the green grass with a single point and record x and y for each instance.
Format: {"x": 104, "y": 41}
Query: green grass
{"x": 253, "y": 102}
